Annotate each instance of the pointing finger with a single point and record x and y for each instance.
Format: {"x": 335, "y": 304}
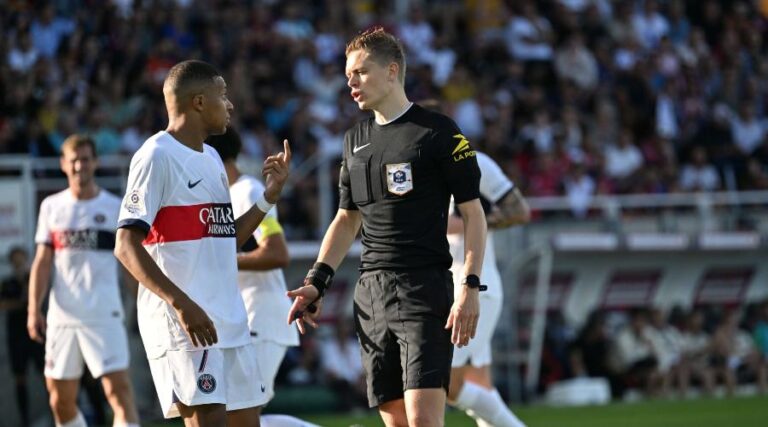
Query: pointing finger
{"x": 287, "y": 152}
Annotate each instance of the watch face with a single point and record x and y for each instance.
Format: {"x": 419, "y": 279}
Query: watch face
{"x": 472, "y": 281}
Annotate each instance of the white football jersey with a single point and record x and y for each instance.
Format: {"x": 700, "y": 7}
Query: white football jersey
{"x": 494, "y": 185}
{"x": 263, "y": 291}
{"x": 181, "y": 198}
{"x": 82, "y": 234}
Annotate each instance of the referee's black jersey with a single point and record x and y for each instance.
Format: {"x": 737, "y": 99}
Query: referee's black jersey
{"x": 400, "y": 176}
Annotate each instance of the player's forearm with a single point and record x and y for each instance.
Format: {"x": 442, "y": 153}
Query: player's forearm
{"x": 39, "y": 279}
{"x": 246, "y": 224}
{"x": 474, "y": 236}
{"x": 512, "y": 210}
{"x": 130, "y": 252}
{"x": 262, "y": 259}
{"x": 339, "y": 237}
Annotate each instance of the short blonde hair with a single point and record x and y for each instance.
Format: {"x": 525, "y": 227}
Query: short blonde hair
{"x": 77, "y": 140}
{"x": 383, "y": 47}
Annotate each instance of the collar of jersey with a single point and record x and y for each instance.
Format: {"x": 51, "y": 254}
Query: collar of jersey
{"x": 396, "y": 117}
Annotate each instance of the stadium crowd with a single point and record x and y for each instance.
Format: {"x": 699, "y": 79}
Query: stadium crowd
{"x": 572, "y": 97}
{"x": 663, "y": 353}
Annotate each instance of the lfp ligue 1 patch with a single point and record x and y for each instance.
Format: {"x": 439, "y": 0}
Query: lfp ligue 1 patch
{"x": 134, "y": 203}
{"x": 399, "y": 178}
{"x": 206, "y": 383}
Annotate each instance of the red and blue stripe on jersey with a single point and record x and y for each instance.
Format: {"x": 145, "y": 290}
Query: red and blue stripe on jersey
{"x": 193, "y": 222}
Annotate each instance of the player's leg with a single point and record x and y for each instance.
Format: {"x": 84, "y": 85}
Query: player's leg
{"x": 483, "y": 402}
{"x": 119, "y": 393}
{"x": 423, "y": 301}
{"x": 62, "y": 396}
{"x": 269, "y": 356}
{"x": 207, "y": 415}
{"x": 379, "y": 349}
{"x": 393, "y": 413}
{"x": 425, "y": 407}
{"x": 248, "y": 417}
{"x": 105, "y": 351}
{"x": 245, "y": 387}
{"x": 63, "y": 369}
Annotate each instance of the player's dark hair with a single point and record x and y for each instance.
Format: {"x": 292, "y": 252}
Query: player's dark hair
{"x": 77, "y": 140}
{"x": 186, "y": 73}
{"x": 227, "y": 144}
{"x": 383, "y": 47}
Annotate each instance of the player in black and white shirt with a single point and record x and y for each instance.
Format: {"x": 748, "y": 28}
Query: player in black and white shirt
{"x": 75, "y": 238}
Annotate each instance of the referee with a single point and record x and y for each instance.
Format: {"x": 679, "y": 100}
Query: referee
{"x": 399, "y": 171}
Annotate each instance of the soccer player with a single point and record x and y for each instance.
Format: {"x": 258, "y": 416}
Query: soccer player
{"x": 472, "y": 389}
{"x": 178, "y": 236}
{"x": 399, "y": 170}
{"x": 261, "y": 280}
{"x": 75, "y": 237}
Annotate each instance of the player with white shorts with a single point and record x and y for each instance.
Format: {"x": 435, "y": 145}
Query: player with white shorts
{"x": 471, "y": 387}
{"x": 260, "y": 278}
{"x": 178, "y": 235}
{"x": 84, "y": 325}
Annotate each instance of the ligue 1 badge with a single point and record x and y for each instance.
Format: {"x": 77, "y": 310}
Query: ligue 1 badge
{"x": 206, "y": 383}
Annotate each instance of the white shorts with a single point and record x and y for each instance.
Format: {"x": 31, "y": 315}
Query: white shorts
{"x": 478, "y": 351}
{"x": 228, "y": 376}
{"x": 104, "y": 348}
{"x": 269, "y": 356}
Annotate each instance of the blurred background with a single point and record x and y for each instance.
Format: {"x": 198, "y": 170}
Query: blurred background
{"x": 635, "y": 129}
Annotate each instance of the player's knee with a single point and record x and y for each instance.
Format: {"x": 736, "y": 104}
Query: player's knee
{"x": 117, "y": 390}
{"x": 423, "y": 419}
{"x": 61, "y": 404}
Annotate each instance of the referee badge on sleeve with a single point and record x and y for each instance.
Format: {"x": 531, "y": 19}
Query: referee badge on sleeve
{"x": 399, "y": 178}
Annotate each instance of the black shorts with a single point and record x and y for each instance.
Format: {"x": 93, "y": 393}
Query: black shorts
{"x": 400, "y": 319}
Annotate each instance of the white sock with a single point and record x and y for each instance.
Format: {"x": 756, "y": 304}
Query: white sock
{"x": 273, "y": 420}
{"x": 78, "y": 421}
{"x": 118, "y": 424}
{"x": 486, "y": 406}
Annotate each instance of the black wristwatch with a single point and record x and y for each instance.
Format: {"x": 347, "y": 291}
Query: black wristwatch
{"x": 473, "y": 282}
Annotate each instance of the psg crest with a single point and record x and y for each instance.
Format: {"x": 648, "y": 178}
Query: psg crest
{"x": 399, "y": 178}
{"x": 206, "y": 383}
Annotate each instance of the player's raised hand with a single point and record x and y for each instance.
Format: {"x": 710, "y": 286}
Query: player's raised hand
{"x": 303, "y": 308}
{"x": 198, "y": 325}
{"x": 36, "y": 326}
{"x": 275, "y": 172}
{"x": 463, "y": 316}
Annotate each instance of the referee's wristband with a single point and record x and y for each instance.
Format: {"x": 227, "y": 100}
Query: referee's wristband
{"x": 263, "y": 204}
{"x": 320, "y": 276}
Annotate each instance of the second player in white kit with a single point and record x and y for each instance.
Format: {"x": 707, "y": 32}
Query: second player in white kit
{"x": 471, "y": 386}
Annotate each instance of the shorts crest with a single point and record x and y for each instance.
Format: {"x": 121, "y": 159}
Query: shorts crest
{"x": 206, "y": 383}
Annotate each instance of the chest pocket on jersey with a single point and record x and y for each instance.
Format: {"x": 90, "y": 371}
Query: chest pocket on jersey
{"x": 360, "y": 182}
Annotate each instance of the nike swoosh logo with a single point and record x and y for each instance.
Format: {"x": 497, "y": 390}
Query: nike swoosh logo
{"x": 191, "y": 184}
{"x": 356, "y": 149}
{"x": 263, "y": 388}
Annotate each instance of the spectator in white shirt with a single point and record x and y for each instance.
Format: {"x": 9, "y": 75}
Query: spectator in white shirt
{"x": 699, "y": 174}
{"x": 622, "y": 161}
{"x": 747, "y": 129}
{"x": 417, "y": 36}
{"x": 696, "y": 350}
{"x": 650, "y": 25}
{"x": 23, "y": 56}
{"x": 579, "y": 189}
{"x": 636, "y": 353}
{"x": 48, "y": 31}
{"x": 574, "y": 62}
{"x": 529, "y": 35}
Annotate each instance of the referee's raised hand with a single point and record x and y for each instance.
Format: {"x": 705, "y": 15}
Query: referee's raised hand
{"x": 463, "y": 316}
